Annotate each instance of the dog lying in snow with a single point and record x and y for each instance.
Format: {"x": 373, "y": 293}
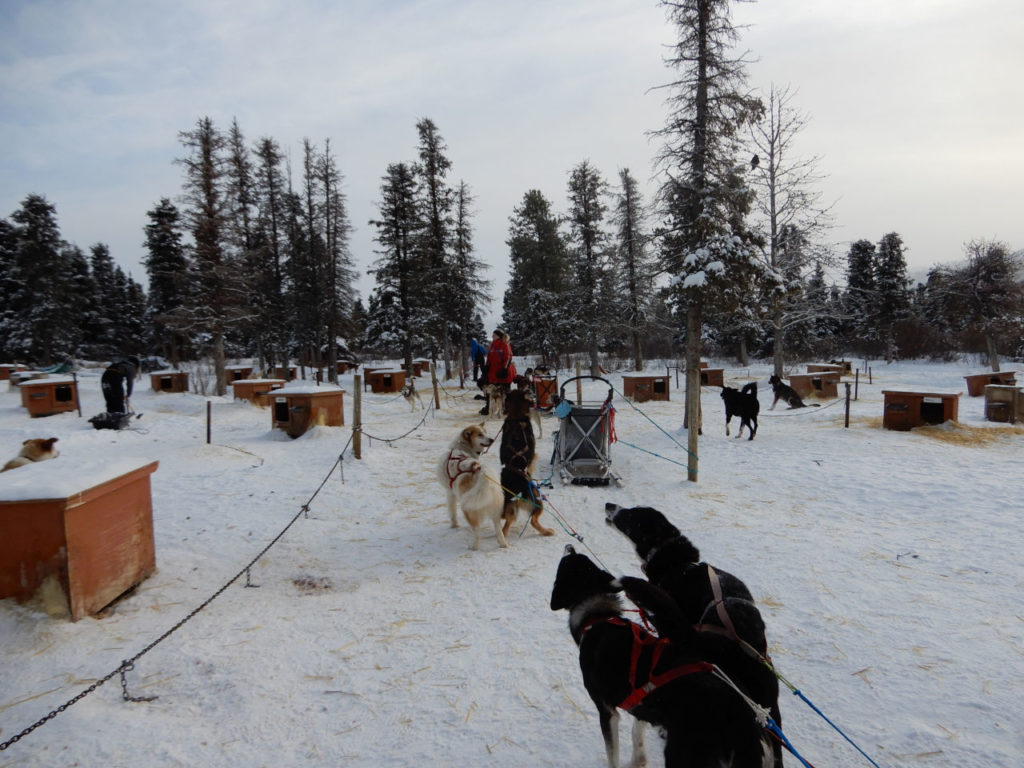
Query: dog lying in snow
{"x": 704, "y": 719}
{"x": 36, "y": 449}
{"x": 468, "y": 484}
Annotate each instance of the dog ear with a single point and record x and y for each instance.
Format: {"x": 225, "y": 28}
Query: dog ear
{"x": 48, "y": 443}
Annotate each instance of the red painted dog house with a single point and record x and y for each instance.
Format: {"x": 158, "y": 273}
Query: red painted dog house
{"x": 45, "y": 397}
{"x": 87, "y": 528}
{"x": 906, "y": 410}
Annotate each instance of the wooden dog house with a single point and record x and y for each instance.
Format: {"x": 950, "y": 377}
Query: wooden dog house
{"x": 906, "y": 410}
{"x": 976, "y": 382}
{"x": 7, "y": 369}
{"x": 641, "y": 387}
{"x": 296, "y": 409}
{"x": 169, "y": 381}
{"x": 826, "y": 368}
{"x": 87, "y": 528}
{"x": 256, "y": 390}
{"x": 824, "y": 384}
{"x": 45, "y": 397}
{"x": 384, "y": 380}
{"x": 1004, "y": 403}
{"x": 288, "y": 374}
{"x": 238, "y": 372}
{"x": 711, "y": 377}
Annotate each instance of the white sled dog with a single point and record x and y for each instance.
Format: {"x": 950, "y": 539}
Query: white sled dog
{"x": 467, "y": 483}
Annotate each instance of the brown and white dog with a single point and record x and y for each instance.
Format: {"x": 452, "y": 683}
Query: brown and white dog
{"x": 468, "y": 484}
{"x": 495, "y": 401}
{"x": 36, "y": 449}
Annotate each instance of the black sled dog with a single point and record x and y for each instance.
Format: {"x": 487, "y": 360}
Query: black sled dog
{"x": 716, "y": 606}
{"x": 744, "y": 404}
{"x": 704, "y": 719}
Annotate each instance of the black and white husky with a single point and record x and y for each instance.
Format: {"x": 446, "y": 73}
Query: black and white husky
{"x": 705, "y": 721}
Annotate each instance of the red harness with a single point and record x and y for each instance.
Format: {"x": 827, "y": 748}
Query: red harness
{"x": 643, "y": 680}
{"x": 459, "y": 469}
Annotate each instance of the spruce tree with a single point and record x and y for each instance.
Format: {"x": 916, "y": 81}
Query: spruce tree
{"x": 891, "y": 299}
{"x": 588, "y": 249}
{"x": 705, "y": 245}
{"x": 167, "y": 269}
{"x": 860, "y": 295}
{"x": 269, "y": 257}
{"x": 397, "y": 311}
{"x": 534, "y": 309}
{"x": 633, "y": 264}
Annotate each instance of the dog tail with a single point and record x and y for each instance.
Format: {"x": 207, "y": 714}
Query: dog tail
{"x": 750, "y": 389}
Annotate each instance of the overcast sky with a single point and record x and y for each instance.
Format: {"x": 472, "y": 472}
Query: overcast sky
{"x": 916, "y": 107}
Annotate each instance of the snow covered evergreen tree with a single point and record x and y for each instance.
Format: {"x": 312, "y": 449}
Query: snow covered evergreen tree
{"x": 858, "y": 300}
{"x": 892, "y": 299}
{"x": 534, "y": 311}
{"x": 588, "y": 251}
{"x": 706, "y": 246}
{"x": 167, "y": 269}
{"x": 397, "y": 310}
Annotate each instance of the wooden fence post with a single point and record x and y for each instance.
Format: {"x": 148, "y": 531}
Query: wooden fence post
{"x": 847, "y": 404}
{"x": 357, "y": 416}
{"x": 209, "y": 418}
{"x": 433, "y": 383}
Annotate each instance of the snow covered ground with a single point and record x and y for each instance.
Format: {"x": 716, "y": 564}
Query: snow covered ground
{"x": 887, "y": 565}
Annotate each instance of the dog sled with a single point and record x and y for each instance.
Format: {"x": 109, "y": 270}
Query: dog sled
{"x": 586, "y": 429}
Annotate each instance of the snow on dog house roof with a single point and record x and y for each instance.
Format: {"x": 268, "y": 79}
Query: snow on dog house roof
{"x": 62, "y": 478}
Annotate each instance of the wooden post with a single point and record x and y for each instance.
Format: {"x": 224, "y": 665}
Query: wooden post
{"x": 579, "y": 384}
{"x": 433, "y": 383}
{"x": 78, "y": 397}
{"x": 209, "y": 407}
{"x": 856, "y": 384}
{"x": 847, "y": 404}
{"x": 869, "y": 376}
{"x": 357, "y": 416}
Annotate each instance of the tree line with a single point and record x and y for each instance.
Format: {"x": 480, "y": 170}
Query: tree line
{"x": 730, "y": 257}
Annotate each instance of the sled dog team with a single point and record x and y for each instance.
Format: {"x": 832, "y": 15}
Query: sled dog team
{"x": 701, "y": 677}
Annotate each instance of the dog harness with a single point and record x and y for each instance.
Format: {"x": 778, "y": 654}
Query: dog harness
{"x": 727, "y": 628}
{"x": 460, "y": 468}
{"x": 645, "y": 654}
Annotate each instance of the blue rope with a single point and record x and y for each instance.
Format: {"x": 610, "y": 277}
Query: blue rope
{"x": 774, "y": 728}
{"x": 668, "y": 435}
{"x": 797, "y": 692}
{"x": 652, "y": 453}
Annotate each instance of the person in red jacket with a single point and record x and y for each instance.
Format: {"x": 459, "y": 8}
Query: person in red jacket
{"x": 500, "y": 369}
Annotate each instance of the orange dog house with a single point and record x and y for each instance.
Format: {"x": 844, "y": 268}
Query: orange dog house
{"x": 822, "y": 384}
{"x": 976, "y": 382}
{"x": 296, "y": 409}
{"x": 382, "y": 380}
{"x": 169, "y": 381}
{"x": 640, "y": 387}
{"x": 906, "y": 410}
{"x": 85, "y": 527}
{"x": 45, "y": 397}
{"x": 712, "y": 377}
{"x": 255, "y": 390}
